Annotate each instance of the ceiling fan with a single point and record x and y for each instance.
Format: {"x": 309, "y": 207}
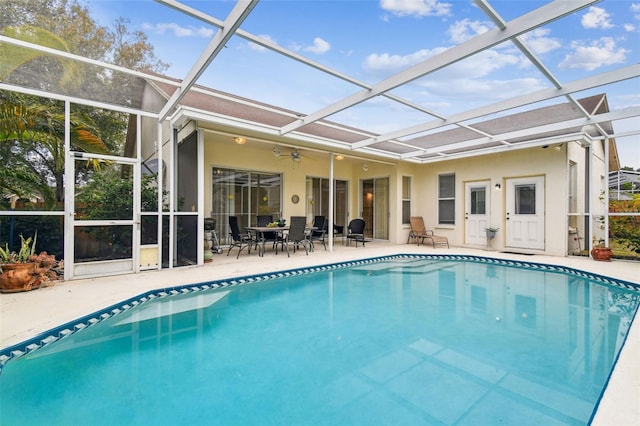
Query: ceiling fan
{"x": 294, "y": 155}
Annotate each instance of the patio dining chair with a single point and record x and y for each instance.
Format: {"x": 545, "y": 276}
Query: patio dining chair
{"x": 264, "y": 220}
{"x": 355, "y": 231}
{"x": 238, "y": 239}
{"x": 296, "y": 236}
{"x": 420, "y": 233}
{"x": 319, "y": 231}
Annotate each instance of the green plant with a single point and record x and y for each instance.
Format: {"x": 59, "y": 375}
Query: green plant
{"x": 27, "y": 249}
{"x": 491, "y": 229}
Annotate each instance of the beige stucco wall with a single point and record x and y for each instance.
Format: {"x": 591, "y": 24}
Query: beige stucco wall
{"x": 551, "y": 163}
{"x": 497, "y": 168}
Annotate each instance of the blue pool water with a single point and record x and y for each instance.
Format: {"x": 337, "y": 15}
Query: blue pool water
{"x": 409, "y": 340}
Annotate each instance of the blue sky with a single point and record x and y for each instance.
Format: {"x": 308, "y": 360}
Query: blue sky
{"x": 371, "y": 40}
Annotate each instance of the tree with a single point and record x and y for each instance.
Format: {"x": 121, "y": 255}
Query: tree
{"x": 32, "y": 129}
{"x": 32, "y": 145}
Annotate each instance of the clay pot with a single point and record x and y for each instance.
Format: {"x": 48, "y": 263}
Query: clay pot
{"x": 601, "y": 253}
{"x": 17, "y": 277}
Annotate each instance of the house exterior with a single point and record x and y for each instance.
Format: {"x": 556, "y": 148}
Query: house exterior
{"x": 542, "y": 193}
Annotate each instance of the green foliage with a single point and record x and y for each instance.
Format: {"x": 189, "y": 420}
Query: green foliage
{"x": 626, "y": 228}
{"x": 27, "y": 249}
{"x": 32, "y": 145}
{"x": 32, "y": 128}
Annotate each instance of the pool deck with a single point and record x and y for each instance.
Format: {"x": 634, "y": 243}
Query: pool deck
{"x": 25, "y": 315}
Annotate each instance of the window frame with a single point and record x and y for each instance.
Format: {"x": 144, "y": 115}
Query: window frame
{"x": 406, "y": 200}
{"x": 446, "y": 200}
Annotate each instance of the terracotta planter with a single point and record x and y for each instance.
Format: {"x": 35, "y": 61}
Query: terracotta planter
{"x": 601, "y": 253}
{"x": 17, "y": 277}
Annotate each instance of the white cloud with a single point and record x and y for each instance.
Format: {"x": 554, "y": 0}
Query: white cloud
{"x": 538, "y": 41}
{"x": 416, "y": 7}
{"x": 484, "y": 90}
{"x": 477, "y": 66}
{"x": 387, "y": 64}
{"x": 635, "y": 10}
{"x": 596, "y": 17}
{"x": 481, "y": 64}
{"x": 319, "y": 46}
{"x": 462, "y": 31}
{"x": 600, "y": 53}
{"x": 259, "y": 48}
{"x": 178, "y": 31}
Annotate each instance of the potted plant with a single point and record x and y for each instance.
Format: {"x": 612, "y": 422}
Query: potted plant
{"x": 491, "y": 232}
{"x": 24, "y": 270}
{"x": 601, "y": 252}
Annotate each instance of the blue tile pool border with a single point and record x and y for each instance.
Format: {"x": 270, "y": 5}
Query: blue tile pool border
{"x": 43, "y": 339}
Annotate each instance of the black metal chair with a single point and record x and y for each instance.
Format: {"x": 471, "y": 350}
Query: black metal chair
{"x": 338, "y": 230}
{"x": 355, "y": 231}
{"x": 238, "y": 239}
{"x": 296, "y": 236}
{"x": 264, "y": 220}
{"x": 319, "y": 231}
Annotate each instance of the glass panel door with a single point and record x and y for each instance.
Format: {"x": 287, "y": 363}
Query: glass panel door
{"x": 318, "y": 200}
{"x": 244, "y": 194}
{"x": 375, "y": 207}
{"x": 103, "y": 216}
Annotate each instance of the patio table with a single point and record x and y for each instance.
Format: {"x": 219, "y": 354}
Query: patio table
{"x": 260, "y": 230}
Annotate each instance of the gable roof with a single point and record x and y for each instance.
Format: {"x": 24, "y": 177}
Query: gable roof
{"x": 522, "y": 129}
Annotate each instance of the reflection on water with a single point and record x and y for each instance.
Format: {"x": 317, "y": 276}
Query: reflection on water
{"x": 427, "y": 342}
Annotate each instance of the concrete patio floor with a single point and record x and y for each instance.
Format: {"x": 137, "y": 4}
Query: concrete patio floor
{"x": 25, "y": 315}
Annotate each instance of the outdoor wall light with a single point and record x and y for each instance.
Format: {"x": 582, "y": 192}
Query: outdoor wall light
{"x": 339, "y": 157}
{"x": 365, "y": 167}
{"x": 498, "y": 187}
{"x": 240, "y": 140}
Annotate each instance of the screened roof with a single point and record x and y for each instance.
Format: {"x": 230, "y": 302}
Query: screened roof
{"x": 427, "y": 103}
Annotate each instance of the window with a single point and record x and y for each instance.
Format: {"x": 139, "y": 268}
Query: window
{"x": 317, "y": 200}
{"x": 406, "y": 199}
{"x": 573, "y": 187}
{"x": 525, "y": 199}
{"x": 446, "y": 199}
{"x": 245, "y": 194}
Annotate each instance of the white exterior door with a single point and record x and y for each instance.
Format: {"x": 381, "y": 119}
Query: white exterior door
{"x": 525, "y": 213}
{"x": 476, "y": 213}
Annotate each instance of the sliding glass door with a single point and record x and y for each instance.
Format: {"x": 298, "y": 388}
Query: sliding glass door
{"x": 245, "y": 194}
{"x": 375, "y": 207}
{"x": 318, "y": 200}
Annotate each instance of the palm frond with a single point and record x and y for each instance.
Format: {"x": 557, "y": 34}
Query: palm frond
{"x": 13, "y": 57}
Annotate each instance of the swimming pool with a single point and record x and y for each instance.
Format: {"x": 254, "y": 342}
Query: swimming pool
{"x": 404, "y": 339}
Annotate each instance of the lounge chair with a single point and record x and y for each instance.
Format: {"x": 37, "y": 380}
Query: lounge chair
{"x": 420, "y": 233}
{"x": 238, "y": 239}
{"x": 355, "y": 231}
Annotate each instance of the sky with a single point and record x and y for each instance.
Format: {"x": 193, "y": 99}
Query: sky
{"x": 371, "y": 40}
